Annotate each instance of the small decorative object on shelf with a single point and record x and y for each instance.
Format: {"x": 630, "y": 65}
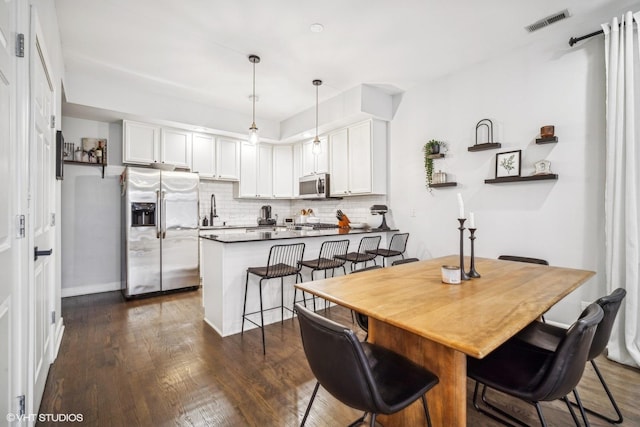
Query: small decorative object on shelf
{"x": 489, "y": 145}
{"x": 431, "y": 150}
{"x": 508, "y": 163}
{"x": 543, "y": 167}
{"x": 547, "y": 135}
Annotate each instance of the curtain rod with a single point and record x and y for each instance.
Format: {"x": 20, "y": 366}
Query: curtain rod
{"x": 574, "y": 40}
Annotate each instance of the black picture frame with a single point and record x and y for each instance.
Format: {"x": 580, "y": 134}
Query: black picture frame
{"x": 508, "y": 164}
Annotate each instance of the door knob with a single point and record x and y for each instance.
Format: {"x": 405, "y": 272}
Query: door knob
{"x": 37, "y": 253}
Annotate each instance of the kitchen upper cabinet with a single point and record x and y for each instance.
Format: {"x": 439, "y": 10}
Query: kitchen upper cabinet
{"x": 228, "y": 159}
{"x": 265, "y": 170}
{"x": 256, "y": 171}
{"x": 297, "y": 168}
{"x": 215, "y": 157}
{"x": 141, "y": 142}
{"x": 283, "y": 171}
{"x": 339, "y": 174}
{"x": 358, "y": 159}
{"x": 203, "y": 159}
{"x": 315, "y": 163}
{"x": 175, "y": 147}
{"x": 145, "y": 143}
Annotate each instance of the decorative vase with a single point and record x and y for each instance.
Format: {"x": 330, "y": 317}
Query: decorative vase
{"x": 435, "y": 149}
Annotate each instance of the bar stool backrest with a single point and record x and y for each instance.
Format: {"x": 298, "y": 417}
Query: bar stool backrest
{"x": 330, "y": 249}
{"x": 371, "y": 243}
{"x": 284, "y": 260}
{"x": 399, "y": 242}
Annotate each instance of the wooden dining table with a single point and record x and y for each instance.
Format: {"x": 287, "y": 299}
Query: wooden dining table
{"x": 438, "y": 325}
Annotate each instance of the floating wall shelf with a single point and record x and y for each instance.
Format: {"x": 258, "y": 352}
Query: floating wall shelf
{"x": 549, "y": 140}
{"x": 485, "y": 146}
{"x": 435, "y": 156}
{"x": 73, "y": 162}
{"x": 444, "y": 184}
{"x": 521, "y": 178}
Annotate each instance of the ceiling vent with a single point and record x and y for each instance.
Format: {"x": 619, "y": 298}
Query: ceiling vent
{"x": 548, "y": 20}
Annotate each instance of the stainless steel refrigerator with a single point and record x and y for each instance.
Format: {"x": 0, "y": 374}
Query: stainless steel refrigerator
{"x": 160, "y": 231}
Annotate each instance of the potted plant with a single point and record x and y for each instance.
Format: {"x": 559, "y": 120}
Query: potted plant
{"x": 431, "y": 150}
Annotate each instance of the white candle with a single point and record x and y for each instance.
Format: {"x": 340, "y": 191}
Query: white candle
{"x": 472, "y": 220}
{"x": 460, "y": 206}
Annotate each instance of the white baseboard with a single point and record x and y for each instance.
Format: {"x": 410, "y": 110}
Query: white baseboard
{"x": 58, "y": 338}
{"x": 90, "y": 289}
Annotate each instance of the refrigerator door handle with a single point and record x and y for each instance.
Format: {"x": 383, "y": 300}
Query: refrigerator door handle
{"x": 158, "y": 214}
{"x": 164, "y": 215}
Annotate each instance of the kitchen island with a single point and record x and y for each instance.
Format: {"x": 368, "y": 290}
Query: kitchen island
{"x": 224, "y": 261}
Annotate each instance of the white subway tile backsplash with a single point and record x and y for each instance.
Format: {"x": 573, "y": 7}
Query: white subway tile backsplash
{"x": 236, "y": 211}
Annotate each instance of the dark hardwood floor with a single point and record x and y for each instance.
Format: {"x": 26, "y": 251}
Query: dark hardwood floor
{"x": 154, "y": 362}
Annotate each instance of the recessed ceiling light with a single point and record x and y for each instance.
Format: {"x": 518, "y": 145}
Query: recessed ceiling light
{"x": 316, "y": 28}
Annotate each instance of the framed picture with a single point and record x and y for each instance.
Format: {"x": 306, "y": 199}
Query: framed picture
{"x": 508, "y": 164}
{"x": 94, "y": 150}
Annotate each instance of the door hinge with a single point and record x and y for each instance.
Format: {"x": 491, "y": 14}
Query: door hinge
{"x": 20, "y": 45}
{"x": 20, "y": 223}
{"x": 52, "y": 222}
{"x": 21, "y": 405}
{"x": 53, "y": 317}
{"x": 53, "y": 122}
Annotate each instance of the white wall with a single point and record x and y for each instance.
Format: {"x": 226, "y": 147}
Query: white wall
{"x": 90, "y": 217}
{"x": 561, "y": 221}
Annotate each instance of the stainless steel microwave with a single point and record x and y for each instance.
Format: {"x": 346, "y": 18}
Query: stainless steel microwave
{"x": 314, "y": 186}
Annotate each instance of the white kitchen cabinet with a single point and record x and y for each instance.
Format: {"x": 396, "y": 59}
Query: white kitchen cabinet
{"x": 145, "y": 143}
{"x": 141, "y": 142}
{"x": 358, "y": 159}
{"x": 175, "y": 147}
{"x": 215, "y": 157}
{"x": 283, "y": 171}
{"x": 339, "y": 174}
{"x": 228, "y": 159}
{"x": 256, "y": 171}
{"x": 297, "y": 168}
{"x": 312, "y": 163}
{"x": 203, "y": 159}
{"x": 265, "y": 171}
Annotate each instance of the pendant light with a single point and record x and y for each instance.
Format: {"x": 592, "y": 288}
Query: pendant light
{"x": 253, "y": 129}
{"x": 316, "y": 149}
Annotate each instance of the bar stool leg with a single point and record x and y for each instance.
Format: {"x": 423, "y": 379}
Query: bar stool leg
{"x": 264, "y": 347}
{"x": 281, "y": 300}
{"x": 313, "y": 297}
{"x": 244, "y": 307}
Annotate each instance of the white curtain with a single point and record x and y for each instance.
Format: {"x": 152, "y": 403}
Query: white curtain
{"x": 622, "y": 188}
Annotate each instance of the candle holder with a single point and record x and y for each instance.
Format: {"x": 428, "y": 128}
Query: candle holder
{"x": 463, "y": 275}
{"x": 472, "y": 271}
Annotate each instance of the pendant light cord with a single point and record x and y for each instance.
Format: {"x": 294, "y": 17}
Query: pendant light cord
{"x": 254, "y": 92}
{"x": 317, "y": 112}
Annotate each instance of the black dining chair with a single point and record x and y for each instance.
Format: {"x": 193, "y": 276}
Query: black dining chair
{"x": 536, "y": 375}
{"x": 397, "y": 246}
{"x": 548, "y": 337}
{"x": 528, "y": 260}
{"x": 404, "y": 261}
{"x": 363, "y": 376}
{"x": 362, "y": 319}
{"x": 363, "y": 255}
{"x": 284, "y": 260}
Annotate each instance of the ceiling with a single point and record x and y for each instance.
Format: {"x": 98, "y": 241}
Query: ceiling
{"x": 197, "y": 49}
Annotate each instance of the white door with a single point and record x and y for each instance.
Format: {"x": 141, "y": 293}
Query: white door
{"x": 8, "y": 245}
{"x": 41, "y": 209}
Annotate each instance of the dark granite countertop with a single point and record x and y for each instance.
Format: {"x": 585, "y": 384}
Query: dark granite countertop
{"x": 258, "y": 236}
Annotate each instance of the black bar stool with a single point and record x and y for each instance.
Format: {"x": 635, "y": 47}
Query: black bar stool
{"x": 327, "y": 260}
{"x": 284, "y": 260}
{"x": 366, "y": 252}
{"x": 397, "y": 246}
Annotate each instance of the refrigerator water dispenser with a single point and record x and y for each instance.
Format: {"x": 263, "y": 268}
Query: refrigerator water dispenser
{"x": 143, "y": 214}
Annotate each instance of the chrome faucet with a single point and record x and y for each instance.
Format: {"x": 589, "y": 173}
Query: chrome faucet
{"x": 213, "y": 213}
